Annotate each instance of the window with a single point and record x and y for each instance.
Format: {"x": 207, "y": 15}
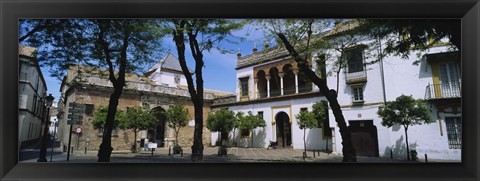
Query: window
{"x": 244, "y": 133}
{"x": 449, "y": 80}
{"x": 177, "y": 79}
{"x": 303, "y": 109}
{"x": 260, "y": 114}
{"x": 34, "y": 105}
{"x": 89, "y": 109}
{"x": 244, "y": 86}
{"x": 357, "y": 94}
{"x": 454, "y": 132}
{"x": 354, "y": 58}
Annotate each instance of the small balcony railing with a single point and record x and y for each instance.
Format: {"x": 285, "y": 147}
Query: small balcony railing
{"x": 286, "y": 91}
{"x": 447, "y": 90}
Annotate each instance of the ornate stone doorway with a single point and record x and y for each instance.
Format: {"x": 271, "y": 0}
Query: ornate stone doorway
{"x": 283, "y": 129}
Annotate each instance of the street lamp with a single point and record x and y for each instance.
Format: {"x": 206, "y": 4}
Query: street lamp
{"x": 53, "y": 138}
{"x": 43, "y": 141}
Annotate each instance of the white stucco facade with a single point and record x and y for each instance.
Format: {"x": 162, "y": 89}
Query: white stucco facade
{"x": 401, "y": 77}
{"x": 31, "y": 93}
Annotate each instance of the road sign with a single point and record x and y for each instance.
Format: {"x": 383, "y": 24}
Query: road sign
{"x": 75, "y": 116}
{"x": 74, "y": 122}
{"x": 78, "y": 130}
{"x": 75, "y": 111}
{"x": 75, "y": 105}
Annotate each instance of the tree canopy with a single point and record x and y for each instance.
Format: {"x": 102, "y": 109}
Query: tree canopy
{"x": 100, "y": 117}
{"x": 177, "y": 117}
{"x": 222, "y": 120}
{"x": 405, "y": 111}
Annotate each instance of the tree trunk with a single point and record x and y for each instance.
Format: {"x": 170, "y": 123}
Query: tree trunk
{"x": 197, "y": 147}
{"x": 406, "y": 140}
{"x": 252, "y": 138}
{"x": 195, "y": 95}
{"x": 135, "y": 139}
{"x": 304, "y": 141}
{"x": 176, "y": 137}
{"x": 106, "y": 147}
{"x": 348, "y": 151}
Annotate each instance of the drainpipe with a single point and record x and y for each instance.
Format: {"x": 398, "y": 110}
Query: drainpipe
{"x": 381, "y": 71}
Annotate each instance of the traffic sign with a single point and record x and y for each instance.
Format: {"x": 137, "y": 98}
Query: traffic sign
{"x": 78, "y": 130}
{"x": 74, "y": 122}
{"x": 75, "y": 116}
{"x": 75, "y": 105}
{"x": 75, "y": 111}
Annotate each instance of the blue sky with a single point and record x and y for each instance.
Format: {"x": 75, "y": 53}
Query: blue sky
{"x": 219, "y": 71}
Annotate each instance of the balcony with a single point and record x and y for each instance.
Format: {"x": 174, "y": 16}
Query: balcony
{"x": 286, "y": 91}
{"x": 356, "y": 77}
{"x": 443, "y": 91}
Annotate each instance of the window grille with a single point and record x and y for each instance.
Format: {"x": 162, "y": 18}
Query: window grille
{"x": 454, "y": 132}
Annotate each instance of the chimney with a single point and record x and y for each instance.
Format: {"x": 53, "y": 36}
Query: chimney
{"x": 266, "y": 45}
{"x": 239, "y": 54}
{"x": 255, "y": 47}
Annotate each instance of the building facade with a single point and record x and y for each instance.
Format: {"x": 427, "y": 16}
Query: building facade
{"x": 161, "y": 88}
{"x": 31, "y": 97}
{"x": 270, "y": 84}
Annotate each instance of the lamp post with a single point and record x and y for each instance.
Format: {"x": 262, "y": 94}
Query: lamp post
{"x": 53, "y": 138}
{"x": 43, "y": 141}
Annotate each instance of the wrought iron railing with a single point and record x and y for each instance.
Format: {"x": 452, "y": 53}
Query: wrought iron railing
{"x": 286, "y": 91}
{"x": 447, "y": 90}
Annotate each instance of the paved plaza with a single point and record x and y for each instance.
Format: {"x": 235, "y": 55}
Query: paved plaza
{"x": 235, "y": 155}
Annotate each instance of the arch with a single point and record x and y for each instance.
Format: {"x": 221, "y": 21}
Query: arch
{"x": 288, "y": 79}
{"x": 304, "y": 83}
{"x": 159, "y": 131}
{"x": 261, "y": 84}
{"x": 274, "y": 82}
{"x": 283, "y": 129}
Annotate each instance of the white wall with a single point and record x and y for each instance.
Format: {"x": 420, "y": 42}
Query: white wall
{"x": 168, "y": 78}
{"x": 263, "y": 136}
{"x": 401, "y": 77}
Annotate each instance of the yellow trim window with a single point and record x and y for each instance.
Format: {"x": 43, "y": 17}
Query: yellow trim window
{"x": 244, "y": 86}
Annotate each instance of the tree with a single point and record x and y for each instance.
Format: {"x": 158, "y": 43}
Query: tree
{"x": 118, "y": 45}
{"x": 320, "y": 111}
{"x": 404, "y": 35}
{"x": 137, "y": 119}
{"x": 306, "y": 120}
{"x": 100, "y": 117}
{"x": 250, "y": 122}
{"x": 222, "y": 121}
{"x": 177, "y": 117}
{"x": 201, "y": 35}
{"x": 405, "y": 111}
{"x": 296, "y": 36}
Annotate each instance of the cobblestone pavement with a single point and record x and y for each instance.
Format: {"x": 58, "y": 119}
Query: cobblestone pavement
{"x": 234, "y": 155}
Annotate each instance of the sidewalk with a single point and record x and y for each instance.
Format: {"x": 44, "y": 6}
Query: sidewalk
{"x": 235, "y": 155}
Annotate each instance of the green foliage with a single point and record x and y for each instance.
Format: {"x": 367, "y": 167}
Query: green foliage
{"x": 177, "y": 149}
{"x": 177, "y": 117}
{"x": 306, "y": 120}
{"x": 223, "y": 121}
{"x": 137, "y": 118}
{"x": 413, "y": 154}
{"x": 100, "y": 117}
{"x": 320, "y": 111}
{"x": 62, "y": 43}
{"x": 405, "y": 111}
{"x": 404, "y": 35}
{"x": 250, "y": 122}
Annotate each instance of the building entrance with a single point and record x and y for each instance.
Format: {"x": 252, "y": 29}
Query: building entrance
{"x": 364, "y": 137}
{"x": 283, "y": 129}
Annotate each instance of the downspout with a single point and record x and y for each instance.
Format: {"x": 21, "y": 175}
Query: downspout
{"x": 381, "y": 71}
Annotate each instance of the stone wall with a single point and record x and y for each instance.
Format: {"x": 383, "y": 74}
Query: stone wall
{"x": 123, "y": 139}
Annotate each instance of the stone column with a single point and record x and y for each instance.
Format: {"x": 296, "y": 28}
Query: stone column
{"x": 239, "y": 83}
{"x": 281, "y": 74}
{"x": 295, "y": 71}
{"x": 268, "y": 85}
{"x": 255, "y": 90}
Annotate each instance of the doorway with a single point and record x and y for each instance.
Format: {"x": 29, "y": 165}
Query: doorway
{"x": 158, "y": 134}
{"x": 364, "y": 137}
{"x": 283, "y": 128}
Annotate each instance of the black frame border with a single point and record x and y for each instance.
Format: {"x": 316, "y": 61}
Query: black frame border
{"x": 11, "y": 11}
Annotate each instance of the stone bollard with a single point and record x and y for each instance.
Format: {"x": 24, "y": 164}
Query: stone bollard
{"x": 426, "y": 158}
